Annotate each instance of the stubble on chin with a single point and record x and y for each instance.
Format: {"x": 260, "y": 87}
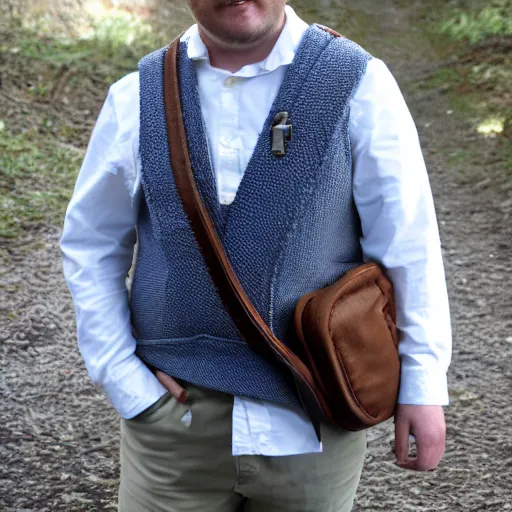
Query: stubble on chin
{"x": 237, "y": 38}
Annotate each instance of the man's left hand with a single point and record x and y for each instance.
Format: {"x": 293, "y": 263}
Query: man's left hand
{"x": 427, "y": 424}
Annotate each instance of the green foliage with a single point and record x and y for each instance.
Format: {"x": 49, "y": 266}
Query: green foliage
{"x": 44, "y": 66}
{"x": 109, "y": 48}
{"x": 480, "y": 74}
{"x": 493, "y": 20}
{"x": 121, "y": 32}
{"x": 473, "y": 38}
{"x": 37, "y": 178}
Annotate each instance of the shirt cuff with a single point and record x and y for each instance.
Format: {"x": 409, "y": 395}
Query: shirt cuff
{"x": 133, "y": 391}
{"x": 421, "y": 386}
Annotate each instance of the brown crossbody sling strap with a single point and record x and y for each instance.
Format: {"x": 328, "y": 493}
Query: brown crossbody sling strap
{"x": 347, "y": 377}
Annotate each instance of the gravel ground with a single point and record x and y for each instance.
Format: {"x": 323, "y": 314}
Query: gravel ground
{"x": 59, "y": 437}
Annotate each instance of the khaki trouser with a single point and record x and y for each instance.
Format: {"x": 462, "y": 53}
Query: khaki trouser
{"x": 171, "y": 464}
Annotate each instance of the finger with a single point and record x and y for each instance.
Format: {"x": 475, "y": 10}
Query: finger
{"x": 426, "y": 456}
{"x": 402, "y": 430}
{"x": 410, "y": 465}
{"x": 430, "y": 450}
{"x": 172, "y": 386}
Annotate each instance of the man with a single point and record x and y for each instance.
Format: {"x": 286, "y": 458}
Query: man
{"x": 207, "y": 423}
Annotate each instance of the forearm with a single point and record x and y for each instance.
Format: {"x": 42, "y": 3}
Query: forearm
{"x": 399, "y": 230}
{"x": 97, "y": 246}
{"x": 105, "y": 339}
{"x": 423, "y": 320}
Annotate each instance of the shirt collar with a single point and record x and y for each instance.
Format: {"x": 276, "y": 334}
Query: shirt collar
{"x": 282, "y": 54}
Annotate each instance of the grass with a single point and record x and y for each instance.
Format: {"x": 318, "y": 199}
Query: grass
{"x": 491, "y": 21}
{"x": 37, "y": 178}
{"x": 475, "y": 38}
{"x": 442, "y": 77}
{"x": 41, "y": 146}
{"x": 107, "y": 50}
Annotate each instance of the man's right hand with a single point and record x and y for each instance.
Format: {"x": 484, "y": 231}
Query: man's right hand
{"x": 175, "y": 389}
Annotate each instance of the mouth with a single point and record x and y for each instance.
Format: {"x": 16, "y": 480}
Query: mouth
{"x": 235, "y": 3}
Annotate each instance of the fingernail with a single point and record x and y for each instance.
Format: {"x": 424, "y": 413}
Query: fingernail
{"x": 183, "y": 397}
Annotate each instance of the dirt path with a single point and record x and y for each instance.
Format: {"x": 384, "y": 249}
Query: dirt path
{"x": 59, "y": 437}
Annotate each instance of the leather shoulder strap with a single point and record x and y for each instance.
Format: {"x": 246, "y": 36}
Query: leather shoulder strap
{"x": 248, "y": 321}
{"x": 244, "y": 315}
{"x": 329, "y": 30}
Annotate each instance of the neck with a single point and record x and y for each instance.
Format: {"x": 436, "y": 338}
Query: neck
{"x": 232, "y": 58}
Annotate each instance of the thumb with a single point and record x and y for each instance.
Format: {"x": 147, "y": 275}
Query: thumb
{"x": 172, "y": 386}
{"x": 402, "y": 430}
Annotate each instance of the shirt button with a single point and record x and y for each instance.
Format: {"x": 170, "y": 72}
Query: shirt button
{"x": 231, "y": 81}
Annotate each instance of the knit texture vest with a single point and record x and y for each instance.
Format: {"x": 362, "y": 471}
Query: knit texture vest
{"x": 291, "y": 229}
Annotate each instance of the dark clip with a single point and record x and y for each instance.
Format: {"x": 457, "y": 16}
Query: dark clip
{"x": 281, "y": 133}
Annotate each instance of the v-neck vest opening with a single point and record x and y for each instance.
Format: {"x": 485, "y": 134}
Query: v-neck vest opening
{"x": 203, "y": 170}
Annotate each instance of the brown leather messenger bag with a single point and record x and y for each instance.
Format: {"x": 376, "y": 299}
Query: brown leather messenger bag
{"x": 348, "y": 370}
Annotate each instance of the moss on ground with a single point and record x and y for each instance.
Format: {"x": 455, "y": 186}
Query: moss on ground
{"x": 475, "y": 42}
{"x": 37, "y": 177}
{"x": 347, "y": 18}
{"x": 53, "y": 86}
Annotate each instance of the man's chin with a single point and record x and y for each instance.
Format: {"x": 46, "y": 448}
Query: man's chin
{"x": 241, "y": 36}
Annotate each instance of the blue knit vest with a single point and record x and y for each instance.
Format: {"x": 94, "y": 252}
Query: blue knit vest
{"x": 291, "y": 229}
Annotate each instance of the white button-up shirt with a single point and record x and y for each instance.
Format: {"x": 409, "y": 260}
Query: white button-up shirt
{"x": 391, "y": 192}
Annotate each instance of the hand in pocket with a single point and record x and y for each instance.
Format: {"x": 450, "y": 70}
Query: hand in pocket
{"x": 175, "y": 389}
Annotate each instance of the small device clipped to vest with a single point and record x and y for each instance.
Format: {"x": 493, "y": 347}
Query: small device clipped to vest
{"x": 281, "y": 133}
